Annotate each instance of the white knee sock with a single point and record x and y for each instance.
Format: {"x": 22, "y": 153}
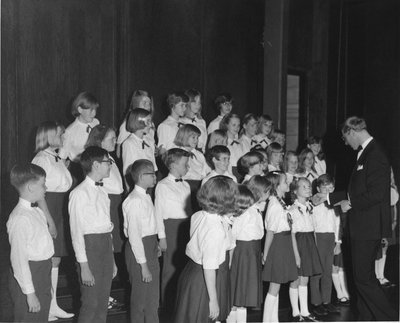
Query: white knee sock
{"x": 303, "y": 296}
{"x": 377, "y": 271}
{"x": 55, "y": 311}
{"x": 336, "y": 283}
{"x": 382, "y": 262}
{"x": 294, "y": 301}
{"x": 343, "y": 285}
{"x": 269, "y": 307}
{"x": 232, "y": 317}
{"x": 275, "y": 313}
{"x": 241, "y": 315}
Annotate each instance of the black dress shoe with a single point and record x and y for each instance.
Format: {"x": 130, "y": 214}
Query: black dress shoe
{"x": 344, "y": 301}
{"x": 319, "y": 310}
{"x": 330, "y": 308}
{"x": 310, "y": 318}
{"x": 297, "y": 318}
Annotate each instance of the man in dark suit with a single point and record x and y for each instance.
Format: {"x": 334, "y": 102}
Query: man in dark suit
{"x": 368, "y": 207}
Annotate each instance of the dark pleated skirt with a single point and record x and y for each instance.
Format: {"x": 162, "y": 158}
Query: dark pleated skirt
{"x": 116, "y": 219}
{"x": 280, "y": 265}
{"x": 246, "y": 284}
{"x": 192, "y": 297}
{"x": 310, "y": 264}
{"x": 57, "y": 204}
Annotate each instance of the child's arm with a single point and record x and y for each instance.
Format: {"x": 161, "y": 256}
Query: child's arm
{"x": 33, "y": 303}
{"x": 296, "y": 250}
{"x": 147, "y": 277}
{"x": 268, "y": 241}
{"x": 210, "y": 278}
{"x": 50, "y": 222}
{"x": 160, "y": 196}
{"x": 86, "y": 274}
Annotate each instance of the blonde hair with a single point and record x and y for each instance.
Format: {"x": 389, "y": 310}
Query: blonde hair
{"x": 46, "y": 134}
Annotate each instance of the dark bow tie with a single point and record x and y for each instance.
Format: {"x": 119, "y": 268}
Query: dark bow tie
{"x": 99, "y": 183}
{"x": 234, "y": 142}
{"x": 88, "y": 128}
{"x": 310, "y": 175}
{"x": 253, "y": 142}
{"x": 191, "y": 155}
{"x": 264, "y": 142}
{"x": 193, "y": 119}
{"x": 144, "y": 144}
{"x": 178, "y": 180}
{"x": 56, "y": 157}
{"x": 359, "y": 148}
{"x": 34, "y": 204}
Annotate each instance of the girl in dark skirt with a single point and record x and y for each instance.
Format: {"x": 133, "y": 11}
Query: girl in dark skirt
{"x": 248, "y": 230}
{"x": 305, "y": 250}
{"x": 203, "y": 287}
{"x": 278, "y": 257}
{"x": 58, "y": 183}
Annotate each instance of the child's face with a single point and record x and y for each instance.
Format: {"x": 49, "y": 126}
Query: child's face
{"x": 180, "y": 108}
{"x": 316, "y": 148}
{"x": 266, "y": 127}
{"x": 87, "y": 115}
{"x": 37, "y": 189}
{"x": 309, "y": 161}
{"x": 195, "y": 105}
{"x": 193, "y": 140}
{"x": 181, "y": 166}
{"x": 283, "y": 186}
{"x": 293, "y": 164}
{"x": 145, "y": 103}
{"x": 280, "y": 139}
{"x": 326, "y": 189}
{"x": 256, "y": 169}
{"x": 250, "y": 128}
{"x": 225, "y": 108}
{"x": 148, "y": 178}
{"x": 276, "y": 157}
{"x": 103, "y": 167}
{"x": 222, "y": 141}
{"x": 222, "y": 163}
{"x": 109, "y": 141}
{"x": 234, "y": 126}
{"x": 304, "y": 189}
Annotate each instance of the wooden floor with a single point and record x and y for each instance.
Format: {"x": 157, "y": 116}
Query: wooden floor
{"x": 68, "y": 296}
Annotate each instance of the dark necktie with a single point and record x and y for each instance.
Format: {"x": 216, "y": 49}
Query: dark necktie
{"x": 88, "y": 128}
{"x": 310, "y": 175}
{"x": 144, "y": 144}
{"x": 193, "y": 120}
{"x": 34, "y": 204}
{"x": 234, "y": 142}
{"x": 253, "y": 142}
{"x": 99, "y": 183}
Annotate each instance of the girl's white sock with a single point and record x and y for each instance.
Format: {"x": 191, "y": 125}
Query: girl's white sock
{"x": 336, "y": 283}
{"x": 303, "y": 296}
{"x": 241, "y": 315}
{"x": 275, "y": 313}
{"x": 269, "y": 307}
{"x": 294, "y": 301}
{"x": 343, "y": 285}
{"x": 231, "y": 317}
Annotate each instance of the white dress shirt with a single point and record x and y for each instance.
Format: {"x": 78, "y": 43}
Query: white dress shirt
{"x": 172, "y": 199}
{"x": 364, "y": 144}
{"x": 113, "y": 183}
{"x": 247, "y": 143}
{"x": 75, "y": 138}
{"x": 276, "y": 218}
{"x": 249, "y": 225}
{"x": 236, "y": 149}
{"x": 210, "y": 238}
{"x": 134, "y": 149}
{"x": 262, "y": 140}
{"x": 290, "y": 177}
{"x": 166, "y": 132}
{"x": 213, "y": 173}
{"x": 89, "y": 213}
{"x": 214, "y": 125}
{"x": 198, "y": 167}
{"x": 30, "y": 240}
{"x": 302, "y": 220}
{"x": 140, "y": 221}
{"x": 325, "y": 220}
{"x": 58, "y": 177}
{"x": 309, "y": 174}
{"x": 201, "y": 124}
{"x": 123, "y": 134}
{"x": 320, "y": 166}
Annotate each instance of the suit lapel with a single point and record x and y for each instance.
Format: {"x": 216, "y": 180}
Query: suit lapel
{"x": 360, "y": 161}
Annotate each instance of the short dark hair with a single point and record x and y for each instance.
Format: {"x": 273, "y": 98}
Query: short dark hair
{"x": 139, "y": 167}
{"x": 21, "y": 174}
{"x": 175, "y": 98}
{"x": 222, "y": 98}
{"x": 243, "y": 200}
{"x": 173, "y": 155}
{"x": 217, "y": 195}
{"x": 248, "y": 160}
{"x": 216, "y": 152}
{"x": 354, "y": 123}
{"x": 84, "y": 100}
{"x": 324, "y": 179}
{"x": 97, "y": 135}
{"x": 183, "y": 134}
{"x": 259, "y": 185}
{"x": 134, "y": 120}
{"x": 192, "y": 93}
{"x": 90, "y": 155}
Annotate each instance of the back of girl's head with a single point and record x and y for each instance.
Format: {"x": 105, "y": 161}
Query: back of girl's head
{"x": 324, "y": 180}
{"x": 21, "y": 174}
{"x": 259, "y": 185}
{"x": 248, "y": 160}
{"x": 226, "y": 119}
{"x": 243, "y": 200}
{"x": 90, "y": 155}
{"x": 217, "y": 195}
{"x": 216, "y": 152}
{"x": 97, "y": 135}
{"x": 288, "y": 154}
{"x": 137, "y": 97}
{"x": 275, "y": 179}
{"x": 173, "y": 155}
{"x": 183, "y": 134}
{"x": 84, "y": 100}
{"x": 302, "y": 156}
{"x": 46, "y": 135}
{"x": 217, "y": 137}
{"x": 136, "y": 120}
{"x": 274, "y": 147}
{"x": 175, "y": 98}
{"x": 192, "y": 94}
{"x": 221, "y": 99}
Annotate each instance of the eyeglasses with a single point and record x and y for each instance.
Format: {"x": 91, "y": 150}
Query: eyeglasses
{"x": 110, "y": 161}
{"x": 152, "y": 174}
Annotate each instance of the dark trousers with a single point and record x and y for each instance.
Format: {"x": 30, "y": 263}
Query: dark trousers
{"x": 321, "y": 285}
{"x": 145, "y": 297}
{"x": 177, "y": 232}
{"x": 41, "y": 278}
{"x": 372, "y": 303}
{"x": 100, "y": 258}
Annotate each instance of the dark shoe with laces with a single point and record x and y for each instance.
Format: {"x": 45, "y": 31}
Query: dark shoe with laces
{"x": 310, "y": 318}
{"x": 319, "y": 310}
{"x": 330, "y": 308}
{"x": 344, "y": 301}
